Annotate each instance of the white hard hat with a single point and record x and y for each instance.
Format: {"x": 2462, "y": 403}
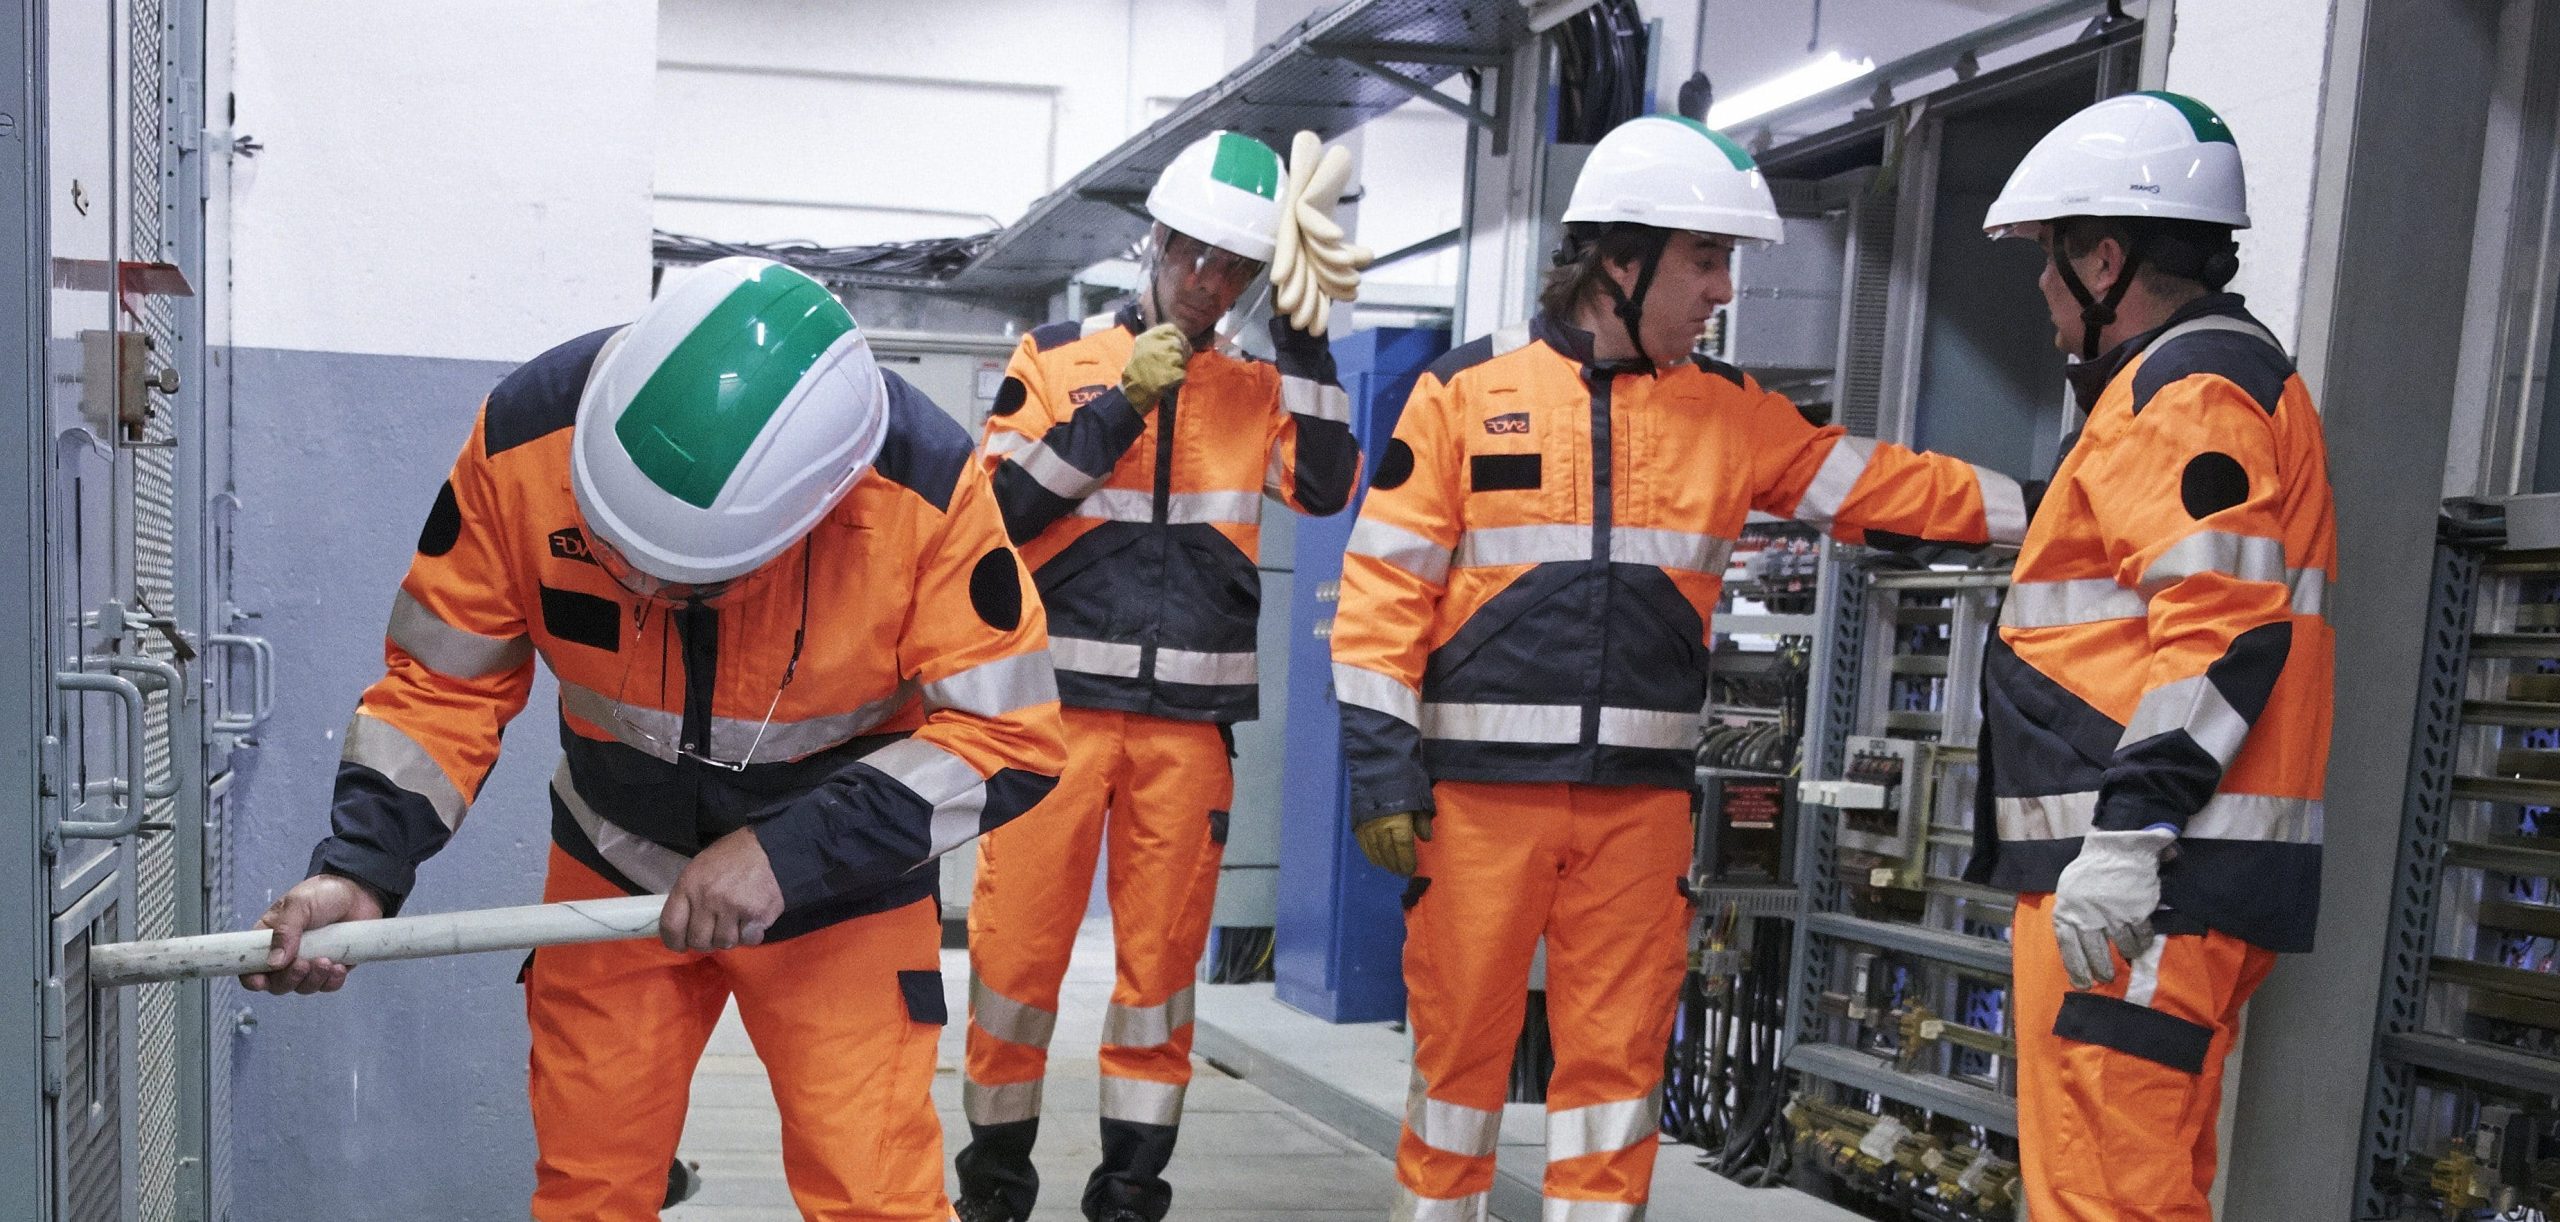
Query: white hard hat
{"x": 719, "y": 427}
{"x": 1674, "y": 173}
{"x": 2157, "y": 155}
{"x": 1224, "y": 190}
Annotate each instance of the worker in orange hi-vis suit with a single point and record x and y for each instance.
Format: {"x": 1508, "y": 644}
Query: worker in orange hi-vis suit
{"x": 1521, "y": 656}
{"x": 1132, "y": 460}
{"x": 798, "y": 660}
{"x": 2157, "y": 701}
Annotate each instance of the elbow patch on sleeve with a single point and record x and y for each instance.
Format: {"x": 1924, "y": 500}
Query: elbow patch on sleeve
{"x": 995, "y": 589}
{"x": 1395, "y": 468}
{"x": 444, "y": 524}
{"x": 2213, "y": 481}
{"x": 1009, "y": 397}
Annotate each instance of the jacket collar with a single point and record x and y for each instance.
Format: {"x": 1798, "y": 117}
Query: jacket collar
{"x": 1575, "y": 343}
{"x": 2089, "y": 378}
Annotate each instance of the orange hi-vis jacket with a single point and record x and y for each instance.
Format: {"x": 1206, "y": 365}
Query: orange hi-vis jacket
{"x": 2162, "y": 658}
{"x": 920, "y": 711}
{"x": 1530, "y": 593}
{"x": 1142, "y": 529}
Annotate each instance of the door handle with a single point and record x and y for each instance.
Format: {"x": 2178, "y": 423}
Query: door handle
{"x": 262, "y": 683}
{"x": 128, "y": 812}
{"x": 151, "y": 675}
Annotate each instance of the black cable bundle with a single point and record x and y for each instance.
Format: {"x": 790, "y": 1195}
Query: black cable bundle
{"x": 1533, "y": 1059}
{"x": 1600, "y": 71}
{"x": 1239, "y": 954}
{"x": 927, "y": 259}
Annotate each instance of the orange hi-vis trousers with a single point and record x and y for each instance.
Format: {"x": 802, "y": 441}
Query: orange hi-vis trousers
{"x": 1596, "y": 870}
{"x": 2120, "y": 1086}
{"x": 845, "y": 1019}
{"x": 1156, "y": 791}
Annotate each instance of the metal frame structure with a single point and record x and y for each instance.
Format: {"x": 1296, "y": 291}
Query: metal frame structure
{"x": 24, "y": 669}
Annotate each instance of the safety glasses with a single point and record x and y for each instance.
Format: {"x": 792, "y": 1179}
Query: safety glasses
{"x": 1199, "y": 261}
{"x": 657, "y": 731}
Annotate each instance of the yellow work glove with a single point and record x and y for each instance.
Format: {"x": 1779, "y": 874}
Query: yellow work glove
{"x": 1387, "y": 841}
{"x": 1155, "y": 366}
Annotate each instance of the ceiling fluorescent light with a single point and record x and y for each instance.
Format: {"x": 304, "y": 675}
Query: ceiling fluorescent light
{"x": 1794, "y": 86}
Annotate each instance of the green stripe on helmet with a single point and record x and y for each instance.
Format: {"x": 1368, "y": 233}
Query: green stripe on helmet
{"x": 1733, "y": 152}
{"x": 2208, "y": 126}
{"x": 1247, "y": 164}
{"x": 702, "y": 408}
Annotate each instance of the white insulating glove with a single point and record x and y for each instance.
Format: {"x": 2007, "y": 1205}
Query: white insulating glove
{"x": 2107, "y": 895}
{"x": 1312, "y": 266}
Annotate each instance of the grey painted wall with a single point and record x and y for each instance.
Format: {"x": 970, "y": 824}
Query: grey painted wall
{"x": 403, "y": 1096}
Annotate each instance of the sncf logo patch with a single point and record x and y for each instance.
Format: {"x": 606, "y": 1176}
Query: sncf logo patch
{"x": 569, "y": 543}
{"x": 1508, "y": 422}
{"x": 1085, "y": 394}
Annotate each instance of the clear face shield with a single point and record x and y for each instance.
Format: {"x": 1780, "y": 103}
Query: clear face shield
{"x": 1192, "y": 284}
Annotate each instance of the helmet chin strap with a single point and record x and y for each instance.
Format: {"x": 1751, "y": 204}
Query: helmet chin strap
{"x": 2095, "y": 315}
{"x": 1630, "y": 305}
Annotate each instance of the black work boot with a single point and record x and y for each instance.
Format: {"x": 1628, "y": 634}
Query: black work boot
{"x": 995, "y": 1171}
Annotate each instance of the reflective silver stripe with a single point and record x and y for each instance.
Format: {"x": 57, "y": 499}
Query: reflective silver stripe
{"x": 657, "y": 731}
{"x": 1565, "y": 1209}
{"x": 1004, "y": 442}
{"x": 2247, "y": 557}
{"x": 1368, "y": 689}
{"x": 948, "y": 783}
{"x": 1504, "y": 723}
{"x": 1400, "y": 547}
{"x": 2254, "y": 817}
{"x": 1139, "y": 1101}
{"x": 1014, "y": 1022}
{"x": 1275, "y": 477}
{"x": 1670, "y": 549}
{"x": 1005, "y": 1104}
{"x": 1308, "y": 397}
{"x": 1411, "y": 1208}
{"x": 1205, "y": 669}
{"x": 1052, "y": 471}
{"x": 2143, "y": 982}
{"x": 2060, "y": 604}
{"x": 640, "y": 859}
{"x": 2004, "y": 506}
{"x": 2196, "y": 706}
{"x": 1833, "y": 481}
{"x": 1094, "y": 657}
{"x": 1604, "y": 1128}
{"x": 1181, "y": 508}
{"x": 388, "y": 749}
{"x": 454, "y": 652}
{"x": 1453, "y": 1128}
{"x": 993, "y": 689}
{"x": 1502, "y": 545}
{"x": 1147, "y": 1026}
{"x": 1649, "y": 728}
{"x": 2310, "y": 591}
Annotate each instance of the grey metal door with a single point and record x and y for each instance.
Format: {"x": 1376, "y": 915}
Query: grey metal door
{"x": 128, "y": 1074}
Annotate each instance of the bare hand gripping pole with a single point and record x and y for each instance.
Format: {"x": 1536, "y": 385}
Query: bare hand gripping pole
{"x": 411, "y": 937}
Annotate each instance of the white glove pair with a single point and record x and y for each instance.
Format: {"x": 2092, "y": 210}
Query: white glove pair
{"x": 1312, "y": 266}
{"x": 2106, "y": 897}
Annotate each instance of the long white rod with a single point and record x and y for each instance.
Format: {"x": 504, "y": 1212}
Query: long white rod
{"x": 409, "y": 937}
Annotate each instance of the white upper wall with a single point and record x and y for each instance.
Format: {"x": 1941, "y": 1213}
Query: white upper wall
{"x": 2261, "y": 65}
{"x": 888, "y": 120}
{"x": 452, "y": 178}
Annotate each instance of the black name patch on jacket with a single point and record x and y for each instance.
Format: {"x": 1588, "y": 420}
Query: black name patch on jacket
{"x": 1508, "y": 422}
{"x": 1502, "y": 472}
{"x": 570, "y": 543}
{"x": 582, "y": 619}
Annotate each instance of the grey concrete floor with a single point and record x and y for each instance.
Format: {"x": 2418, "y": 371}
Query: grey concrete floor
{"x": 1244, "y": 1154}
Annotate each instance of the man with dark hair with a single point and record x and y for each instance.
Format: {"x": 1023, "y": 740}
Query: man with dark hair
{"x": 2157, "y": 698}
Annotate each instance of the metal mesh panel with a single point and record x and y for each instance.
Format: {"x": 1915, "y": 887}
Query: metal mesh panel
{"x": 1861, "y": 394}
{"x": 88, "y": 1138}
